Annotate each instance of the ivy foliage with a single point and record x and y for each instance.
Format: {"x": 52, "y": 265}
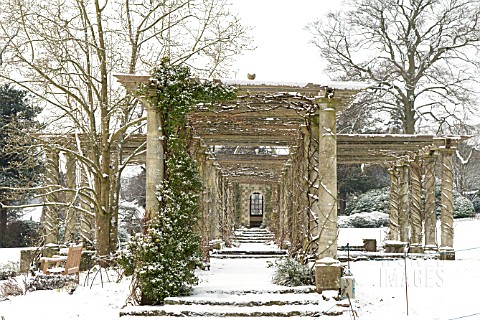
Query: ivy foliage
{"x": 163, "y": 261}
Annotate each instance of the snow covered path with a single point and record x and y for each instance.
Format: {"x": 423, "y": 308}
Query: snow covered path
{"x": 441, "y": 290}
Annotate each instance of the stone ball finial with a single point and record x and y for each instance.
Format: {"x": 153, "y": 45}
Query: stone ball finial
{"x": 251, "y": 76}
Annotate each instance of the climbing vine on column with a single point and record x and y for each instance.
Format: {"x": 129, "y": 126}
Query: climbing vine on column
{"x": 163, "y": 261}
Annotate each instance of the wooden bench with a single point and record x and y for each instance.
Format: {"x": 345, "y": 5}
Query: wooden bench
{"x": 71, "y": 262}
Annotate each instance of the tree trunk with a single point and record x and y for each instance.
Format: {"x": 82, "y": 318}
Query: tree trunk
{"x": 102, "y": 223}
{"x": 3, "y": 226}
{"x": 409, "y": 113}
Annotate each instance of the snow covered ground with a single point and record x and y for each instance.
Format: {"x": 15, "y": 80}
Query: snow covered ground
{"x": 443, "y": 290}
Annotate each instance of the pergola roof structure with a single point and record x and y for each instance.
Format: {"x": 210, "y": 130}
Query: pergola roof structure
{"x": 272, "y": 115}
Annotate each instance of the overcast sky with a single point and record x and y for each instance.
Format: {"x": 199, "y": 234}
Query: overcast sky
{"x": 283, "y": 51}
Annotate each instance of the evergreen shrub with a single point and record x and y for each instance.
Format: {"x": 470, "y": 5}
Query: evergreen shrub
{"x": 163, "y": 260}
{"x": 374, "y": 219}
{"x": 372, "y": 200}
{"x": 476, "y": 204}
{"x": 291, "y": 273}
{"x": 462, "y": 207}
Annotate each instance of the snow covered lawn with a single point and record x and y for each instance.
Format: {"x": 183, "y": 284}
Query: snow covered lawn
{"x": 440, "y": 290}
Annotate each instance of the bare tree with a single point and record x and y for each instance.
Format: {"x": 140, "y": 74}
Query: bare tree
{"x": 422, "y": 55}
{"x": 64, "y": 53}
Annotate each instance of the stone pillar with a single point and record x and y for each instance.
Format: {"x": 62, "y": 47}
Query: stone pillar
{"x": 213, "y": 201}
{"x": 327, "y": 272}
{"x": 203, "y": 222}
{"x": 71, "y": 214}
{"x": 416, "y": 206}
{"x": 446, "y": 214}
{"x": 327, "y": 190}
{"x": 230, "y": 211}
{"x": 404, "y": 203}
{"x": 430, "y": 212}
{"x": 155, "y": 161}
{"x": 50, "y": 211}
{"x": 393, "y": 231}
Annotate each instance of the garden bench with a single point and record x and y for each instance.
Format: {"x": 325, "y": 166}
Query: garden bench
{"x": 71, "y": 262}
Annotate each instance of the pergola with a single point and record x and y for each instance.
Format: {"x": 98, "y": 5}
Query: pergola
{"x": 280, "y": 139}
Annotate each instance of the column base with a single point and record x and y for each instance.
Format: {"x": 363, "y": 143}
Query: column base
{"x": 447, "y": 254}
{"x": 327, "y": 274}
{"x": 416, "y": 248}
{"x": 430, "y": 248}
{"x": 395, "y": 246}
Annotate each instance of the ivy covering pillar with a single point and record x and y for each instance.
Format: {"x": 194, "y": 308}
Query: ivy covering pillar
{"x": 327, "y": 270}
{"x": 416, "y": 206}
{"x": 430, "y": 212}
{"x": 446, "y": 213}
{"x": 393, "y": 231}
{"x": 404, "y": 204}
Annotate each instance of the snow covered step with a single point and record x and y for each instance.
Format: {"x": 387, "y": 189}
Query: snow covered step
{"x": 252, "y": 240}
{"x": 256, "y": 236}
{"x": 224, "y": 311}
{"x": 251, "y": 252}
{"x": 244, "y": 292}
{"x": 253, "y": 233}
{"x": 245, "y": 256}
{"x": 249, "y": 300}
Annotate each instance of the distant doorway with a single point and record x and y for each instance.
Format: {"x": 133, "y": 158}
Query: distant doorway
{"x": 256, "y": 209}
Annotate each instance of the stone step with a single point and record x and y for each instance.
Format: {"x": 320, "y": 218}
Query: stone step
{"x": 253, "y": 231}
{"x": 254, "y": 236}
{"x": 245, "y": 256}
{"x": 223, "y": 311}
{"x": 243, "y": 292}
{"x": 249, "y": 300}
{"x": 250, "y": 252}
{"x": 252, "y": 240}
{"x": 262, "y": 236}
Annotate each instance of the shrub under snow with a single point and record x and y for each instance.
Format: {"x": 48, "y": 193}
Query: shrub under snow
{"x": 372, "y": 200}
{"x": 373, "y": 219}
{"x": 8, "y": 270}
{"x": 291, "y": 273}
{"x": 476, "y": 204}
{"x": 462, "y": 207}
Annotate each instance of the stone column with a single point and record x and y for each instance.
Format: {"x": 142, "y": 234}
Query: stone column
{"x": 393, "y": 231}
{"x": 213, "y": 201}
{"x": 327, "y": 269}
{"x": 446, "y": 214}
{"x": 416, "y": 206}
{"x": 203, "y": 222}
{"x": 155, "y": 161}
{"x": 230, "y": 211}
{"x": 50, "y": 211}
{"x": 430, "y": 212}
{"x": 404, "y": 203}
{"x": 71, "y": 214}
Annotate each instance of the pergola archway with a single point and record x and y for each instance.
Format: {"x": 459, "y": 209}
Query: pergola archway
{"x": 280, "y": 138}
